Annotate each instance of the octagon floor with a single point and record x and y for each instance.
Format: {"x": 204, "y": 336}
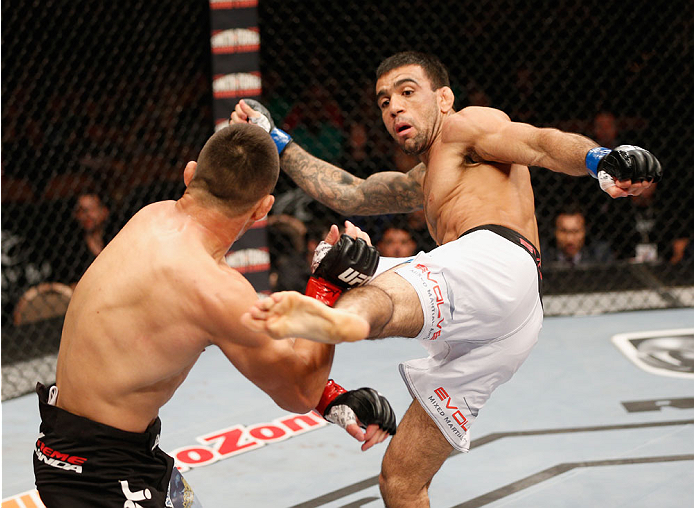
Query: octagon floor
{"x": 582, "y": 423}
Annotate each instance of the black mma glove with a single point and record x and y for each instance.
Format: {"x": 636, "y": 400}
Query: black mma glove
{"x": 626, "y": 162}
{"x": 348, "y": 263}
{"x": 281, "y": 138}
{"x": 365, "y": 404}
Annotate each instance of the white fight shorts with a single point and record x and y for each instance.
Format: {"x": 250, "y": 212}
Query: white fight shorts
{"x": 482, "y": 309}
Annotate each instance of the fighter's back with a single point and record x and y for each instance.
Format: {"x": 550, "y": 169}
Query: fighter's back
{"x": 132, "y": 330}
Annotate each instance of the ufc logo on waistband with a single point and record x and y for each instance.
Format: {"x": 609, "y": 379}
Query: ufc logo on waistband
{"x": 353, "y": 277}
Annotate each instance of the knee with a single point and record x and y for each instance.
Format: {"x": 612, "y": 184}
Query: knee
{"x": 399, "y": 490}
{"x": 389, "y": 489}
{"x": 383, "y": 484}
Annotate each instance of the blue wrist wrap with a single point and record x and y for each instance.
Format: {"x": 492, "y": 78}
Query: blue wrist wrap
{"x": 593, "y": 158}
{"x": 281, "y": 139}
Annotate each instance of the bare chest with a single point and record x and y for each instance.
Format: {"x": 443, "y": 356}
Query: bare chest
{"x": 444, "y": 181}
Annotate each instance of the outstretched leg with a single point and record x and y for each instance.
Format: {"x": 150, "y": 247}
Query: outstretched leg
{"x": 386, "y": 307}
{"x": 291, "y": 314}
{"x": 388, "y": 303}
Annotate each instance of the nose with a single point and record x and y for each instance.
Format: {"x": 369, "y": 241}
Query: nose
{"x": 396, "y": 106}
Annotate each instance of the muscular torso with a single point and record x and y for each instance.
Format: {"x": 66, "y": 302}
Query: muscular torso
{"x": 460, "y": 193}
{"x": 131, "y": 333}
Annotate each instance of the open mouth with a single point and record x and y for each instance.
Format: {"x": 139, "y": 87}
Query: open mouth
{"x": 402, "y": 129}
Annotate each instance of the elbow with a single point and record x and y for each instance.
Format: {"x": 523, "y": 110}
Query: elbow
{"x": 339, "y": 207}
{"x": 298, "y": 408}
{"x": 299, "y": 401}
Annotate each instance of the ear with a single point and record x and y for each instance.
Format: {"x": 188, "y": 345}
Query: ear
{"x": 446, "y": 99}
{"x": 263, "y": 207}
{"x": 189, "y": 172}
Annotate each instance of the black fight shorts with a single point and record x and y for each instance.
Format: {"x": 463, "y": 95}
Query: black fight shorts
{"x": 79, "y": 463}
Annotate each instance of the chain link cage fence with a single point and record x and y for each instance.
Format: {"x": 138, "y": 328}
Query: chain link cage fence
{"x": 104, "y": 102}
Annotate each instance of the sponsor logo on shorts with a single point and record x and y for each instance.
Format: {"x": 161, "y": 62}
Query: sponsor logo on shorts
{"x": 436, "y": 301}
{"x": 452, "y": 416}
{"x": 217, "y": 445}
{"x": 57, "y": 459}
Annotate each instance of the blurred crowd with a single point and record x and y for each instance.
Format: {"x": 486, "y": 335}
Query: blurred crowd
{"x": 71, "y": 178}
{"x": 653, "y": 228}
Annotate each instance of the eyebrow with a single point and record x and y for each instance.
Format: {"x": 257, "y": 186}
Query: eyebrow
{"x": 397, "y": 84}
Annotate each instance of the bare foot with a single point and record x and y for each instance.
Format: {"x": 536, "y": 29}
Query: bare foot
{"x": 291, "y": 314}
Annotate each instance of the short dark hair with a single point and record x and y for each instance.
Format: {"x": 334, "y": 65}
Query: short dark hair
{"x": 433, "y": 68}
{"x": 238, "y": 166}
{"x": 571, "y": 208}
{"x": 97, "y": 191}
{"x": 394, "y": 222}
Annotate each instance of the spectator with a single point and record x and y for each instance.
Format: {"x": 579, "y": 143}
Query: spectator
{"x": 367, "y": 149}
{"x": 682, "y": 250}
{"x": 524, "y": 95}
{"x": 569, "y": 246}
{"x": 289, "y": 269}
{"x": 397, "y": 240}
{"x": 645, "y": 231}
{"x": 653, "y": 226}
{"x": 605, "y": 129}
{"x": 92, "y": 214}
{"x": 293, "y": 236}
{"x": 94, "y": 230}
{"x": 317, "y": 122}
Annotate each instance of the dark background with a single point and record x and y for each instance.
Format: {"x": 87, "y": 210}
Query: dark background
{"x": 116, "y": 96}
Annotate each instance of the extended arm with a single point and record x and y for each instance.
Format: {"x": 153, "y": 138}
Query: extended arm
{"x": 490, "y": 135}
{"x": 494, "y": 137}
{"x": 292, "y": 373}
{"x": 383, "y": 192}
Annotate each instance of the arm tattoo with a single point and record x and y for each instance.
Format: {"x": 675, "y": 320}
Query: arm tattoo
{"x": 386, "y": 192}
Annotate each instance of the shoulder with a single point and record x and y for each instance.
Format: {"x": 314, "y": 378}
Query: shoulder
{"x": 216, "y": 300}
{"x": 226, "y": 288}
{"x": 471, "y": 122}
{"x": 157, "y": 207}
{"x": 151, "y": 213}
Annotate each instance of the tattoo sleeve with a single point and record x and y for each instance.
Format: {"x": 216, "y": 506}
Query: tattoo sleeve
{"x": 384, "y": 192}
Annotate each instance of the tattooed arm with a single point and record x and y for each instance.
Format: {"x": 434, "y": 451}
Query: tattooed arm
{"x": 384, "y": 192}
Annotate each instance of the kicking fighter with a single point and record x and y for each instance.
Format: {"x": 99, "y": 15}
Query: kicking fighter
{"x": 474, "y": 302}
{"x": 159, "y": 294}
